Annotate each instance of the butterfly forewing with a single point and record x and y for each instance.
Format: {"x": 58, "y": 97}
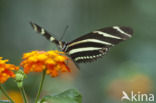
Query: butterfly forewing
{"x": 95, "y": 44}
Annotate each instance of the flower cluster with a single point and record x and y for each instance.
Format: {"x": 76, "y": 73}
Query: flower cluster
{"x": 6, "y": 70}
{"x": 51, "y": 61}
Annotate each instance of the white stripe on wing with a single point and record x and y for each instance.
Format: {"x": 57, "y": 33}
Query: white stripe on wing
{"x": 89, "y": 40}
{"x": 121, "y": 31}
{"x": 82, "y": 50}
{"x": 106, "y": 34}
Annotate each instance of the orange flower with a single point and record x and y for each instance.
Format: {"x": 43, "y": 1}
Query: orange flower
{"x": 6, "y": 70}
{"x": 52, "y": 61}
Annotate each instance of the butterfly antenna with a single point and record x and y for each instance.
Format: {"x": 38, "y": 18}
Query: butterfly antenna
{"x": 66, "y": 28}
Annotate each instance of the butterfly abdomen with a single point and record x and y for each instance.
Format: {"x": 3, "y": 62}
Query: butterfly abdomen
{"x": 43, "y": 32}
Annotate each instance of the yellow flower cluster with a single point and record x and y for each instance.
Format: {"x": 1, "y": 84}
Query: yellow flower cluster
{"x": 51, "y": 61}
{"x": 6, "y": 70}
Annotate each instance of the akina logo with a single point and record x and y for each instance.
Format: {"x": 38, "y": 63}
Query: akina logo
{"x": 137, "y": 97}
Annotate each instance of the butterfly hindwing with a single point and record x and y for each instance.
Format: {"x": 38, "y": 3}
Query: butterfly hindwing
{"x": 93, "y": 45}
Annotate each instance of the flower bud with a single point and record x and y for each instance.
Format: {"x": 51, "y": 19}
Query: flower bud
{"x": 20, "y": 77}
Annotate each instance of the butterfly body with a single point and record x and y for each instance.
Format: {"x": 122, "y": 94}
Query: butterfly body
{"x": 91, "y": 46}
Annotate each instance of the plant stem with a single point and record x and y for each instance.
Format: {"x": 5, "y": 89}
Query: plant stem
{"x": 23, "y": 94}
{"x": 41, "y": 85}
{"x": 6, "y": 94}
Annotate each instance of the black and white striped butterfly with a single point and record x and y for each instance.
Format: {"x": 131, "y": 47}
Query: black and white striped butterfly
{"x": 91, "y": 46}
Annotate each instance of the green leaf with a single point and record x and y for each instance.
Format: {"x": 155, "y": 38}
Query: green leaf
{"x": 4, "y": 101}
{"x": 68, "y": 96}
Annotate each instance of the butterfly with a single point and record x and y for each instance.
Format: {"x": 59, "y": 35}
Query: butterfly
{"x": 91, "y": 46}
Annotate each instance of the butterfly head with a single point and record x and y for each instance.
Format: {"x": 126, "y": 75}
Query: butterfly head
{"x": 62, "y": 45}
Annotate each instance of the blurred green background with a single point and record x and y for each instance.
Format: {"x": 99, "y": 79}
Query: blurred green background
{"x": 128, "y": 66}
